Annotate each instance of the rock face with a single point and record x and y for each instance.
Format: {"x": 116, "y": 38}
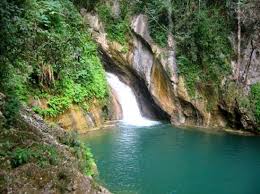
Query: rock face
{"x": 115, "y": 112}
{"x": 145, "y": 67}
{"x": 250, "y": 43}
{"x": 166, "y": 56}
{"x": 121, "y": 63}
{"x": 168, "y": 90}
{"x": 76, "y": 118}
{"x": 152, "y": 72}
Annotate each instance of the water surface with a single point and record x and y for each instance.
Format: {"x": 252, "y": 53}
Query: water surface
{"x": 165, "y": 160}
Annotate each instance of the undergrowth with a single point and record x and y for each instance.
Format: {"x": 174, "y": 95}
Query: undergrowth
{"x": 40, "y": 154}
{"x": 54, "y": 54}
{"x": 255, "y": 100}
{"x": 116, "y": 27}
{"x": 82, "y": 152}
{"x": 201, "y": 34}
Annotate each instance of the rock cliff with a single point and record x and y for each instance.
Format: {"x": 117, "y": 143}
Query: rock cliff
{"x": 153, "y": 73}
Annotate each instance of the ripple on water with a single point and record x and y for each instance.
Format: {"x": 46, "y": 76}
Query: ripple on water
{"x": 161, "y": 159}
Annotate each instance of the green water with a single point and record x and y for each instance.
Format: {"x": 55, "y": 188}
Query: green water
{"x": 165, "y": 160}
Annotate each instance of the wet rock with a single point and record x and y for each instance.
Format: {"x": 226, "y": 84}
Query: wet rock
{"x": 76, "y": 118}
{"x": 152, "y": 72}
{"x": 92, "y": 20}
{"x": 142, "y": 61}
{"x": 145, "y": 67}
{"x": 112, "y": 53}
{"x": 140, "y": 26}
{"x": 250, "y": 44}
{"x": 115, "y": 111}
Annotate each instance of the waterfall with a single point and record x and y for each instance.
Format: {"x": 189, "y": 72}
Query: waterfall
{"x": 131, "y": 112}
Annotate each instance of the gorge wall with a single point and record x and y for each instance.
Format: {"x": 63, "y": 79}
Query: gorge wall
{"x": 152, "y": 71}
{"x": 155, "y": 71}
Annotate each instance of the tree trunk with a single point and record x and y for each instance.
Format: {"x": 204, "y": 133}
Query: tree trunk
{"x": 247, "y": 68}
{"x": 238, "y": 40}
{"x": 172, "y": 66}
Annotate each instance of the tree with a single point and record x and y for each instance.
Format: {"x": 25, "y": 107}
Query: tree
{"x": 238, "y": 11}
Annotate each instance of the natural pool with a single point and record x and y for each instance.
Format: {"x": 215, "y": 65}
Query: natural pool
{"x": 161, "y": 159}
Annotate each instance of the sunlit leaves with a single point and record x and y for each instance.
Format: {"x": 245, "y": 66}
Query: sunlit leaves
{"x": 45, "y": 47}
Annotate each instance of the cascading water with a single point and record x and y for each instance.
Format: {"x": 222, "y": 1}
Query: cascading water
{"x": 127, "y": 99}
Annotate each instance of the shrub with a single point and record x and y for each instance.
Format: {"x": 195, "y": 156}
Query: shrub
{"x": 82, "y": 152}
{"x": 87, "y": 4}
{"x": 117, "y": 28}
{"x": 255, "y": 100}
{"x": 205, "y": 48}
{"x": 42, "y": 154}
{"x": 47, "y": 48}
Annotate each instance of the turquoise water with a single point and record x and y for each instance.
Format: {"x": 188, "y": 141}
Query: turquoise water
{"x": 166, "y": 160}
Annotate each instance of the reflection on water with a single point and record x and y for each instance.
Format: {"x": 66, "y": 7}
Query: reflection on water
{"x": 162, "y": 159}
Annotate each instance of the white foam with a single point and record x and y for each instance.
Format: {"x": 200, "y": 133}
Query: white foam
{"x": 131, "y": 112}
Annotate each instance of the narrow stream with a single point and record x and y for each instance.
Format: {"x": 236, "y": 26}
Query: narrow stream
{"x": 146, "y": 157}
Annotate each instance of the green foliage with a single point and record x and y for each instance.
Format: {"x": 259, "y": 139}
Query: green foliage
{"x": 255, "y": 100}
{"x": 87, "y": 4}
{"x": 46, "y": 52}
{"x": 20, "y": 156}
{"x": 47, "y": 48}
{"x": 157, "y": 12}
{"x": 206, "y": 50}
{"x": 90, "y": 162}
{"x": 117, "y": 28}
{"x": 244, "y": 102}
{"x": 11, "y": 78}
{"x": 201, "y": 34}
{"x": 191, "y": 73}
{"x": 82, "y": 152}
{"x": 42, "y": 154}
{"x": 70, "y": 92}
{"x": 56, "y": 106}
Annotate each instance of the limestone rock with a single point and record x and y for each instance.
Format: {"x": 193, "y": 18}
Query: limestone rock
{"x": 152, "y": 72}
{"x": 166, "y": 56}
{"x": 140, "y": 26}
{"x": 115, "y": 110}
{"x": 250, "y": 44}
{"x": 142, "y": 60}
